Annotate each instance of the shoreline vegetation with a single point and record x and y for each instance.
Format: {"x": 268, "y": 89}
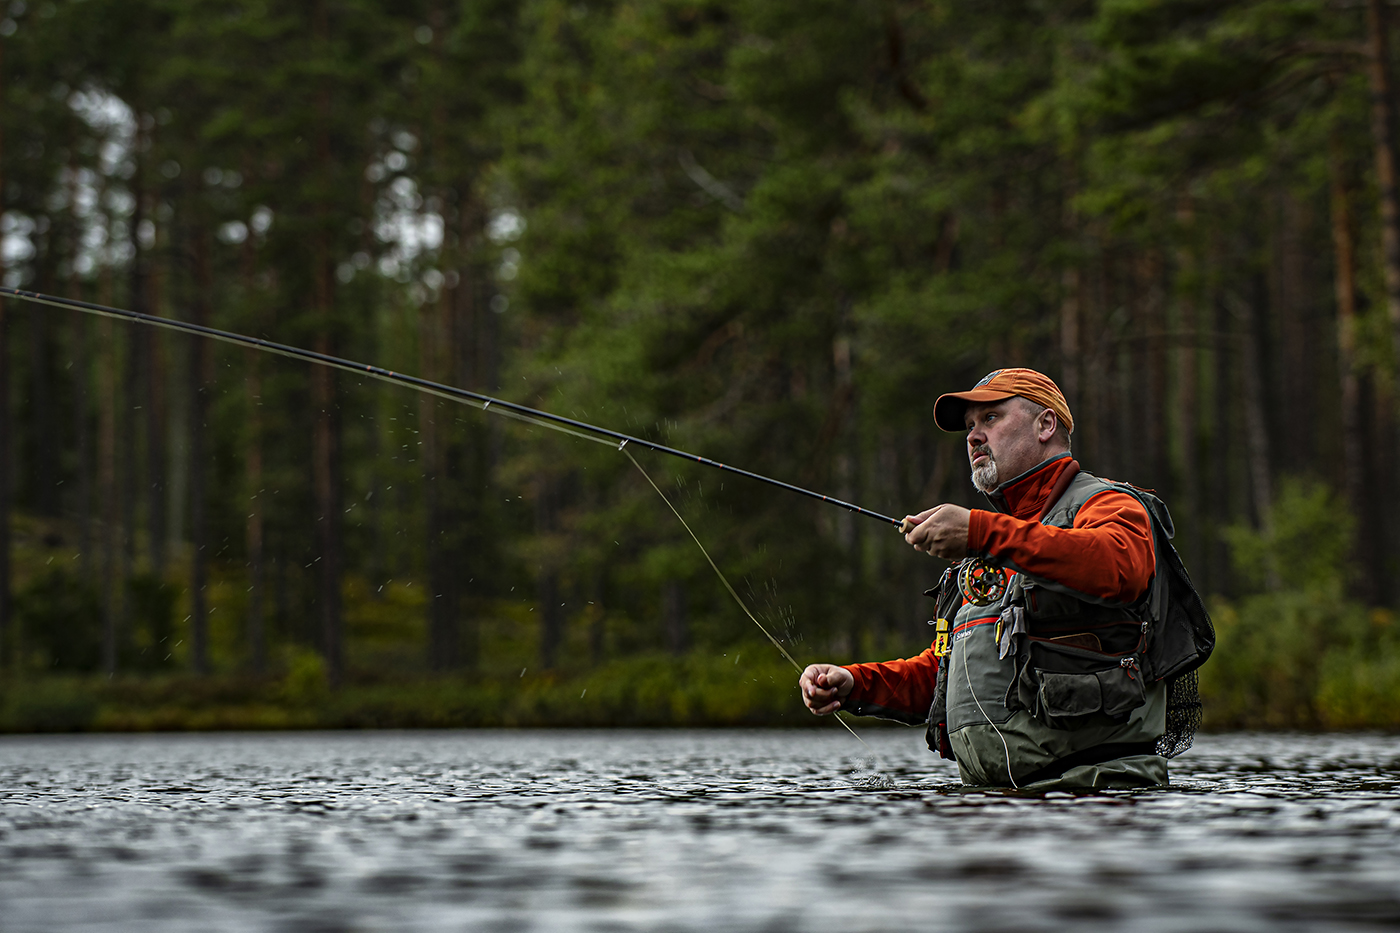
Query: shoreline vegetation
{"x": 1354, "y": 685}
{"x": 1294, "y": 655}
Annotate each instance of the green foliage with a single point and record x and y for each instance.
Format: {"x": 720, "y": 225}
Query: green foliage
{"x": 55, "y": 704}
{"x": 1300, "y": 653}
{"x": 61, "y": 619}
{"x": 1271, "y": 654}
{"x": 151, "y": 645}
{"x": 1360, "y": 685}
{"x": 305, "y": 683}
{"x": 747, "y": 687}
{"x": 1306, "y": 541}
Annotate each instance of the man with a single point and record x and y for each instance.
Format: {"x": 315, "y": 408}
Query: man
{"x": 1043, "y": 685}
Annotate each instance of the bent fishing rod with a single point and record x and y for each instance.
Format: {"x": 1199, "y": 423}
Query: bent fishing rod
{"x": 581, "y": 429}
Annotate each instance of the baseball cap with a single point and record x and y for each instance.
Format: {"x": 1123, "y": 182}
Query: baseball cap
{"x": 999, "y": 384}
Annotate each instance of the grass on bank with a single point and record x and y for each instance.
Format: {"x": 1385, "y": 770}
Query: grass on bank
{"x": 650, "y": 690}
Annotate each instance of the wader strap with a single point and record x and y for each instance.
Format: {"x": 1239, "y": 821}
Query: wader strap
{"x": 1090, "y": 756}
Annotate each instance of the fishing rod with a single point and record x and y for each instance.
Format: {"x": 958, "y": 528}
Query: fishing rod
{"x": 519, "y": 412}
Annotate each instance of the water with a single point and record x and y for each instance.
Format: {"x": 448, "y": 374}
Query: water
{"x": 678, "y": 831}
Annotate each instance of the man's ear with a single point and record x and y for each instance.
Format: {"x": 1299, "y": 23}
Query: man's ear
{"x": 1046, "y": 425}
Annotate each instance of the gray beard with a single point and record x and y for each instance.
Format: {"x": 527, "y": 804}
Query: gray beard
{"x": 984, "y": 477}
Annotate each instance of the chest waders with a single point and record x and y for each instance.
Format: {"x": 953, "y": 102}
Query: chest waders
{"x": 1048, "y": 678}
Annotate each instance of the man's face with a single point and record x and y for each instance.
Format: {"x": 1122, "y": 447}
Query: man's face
{"x": 1002, "y": 440}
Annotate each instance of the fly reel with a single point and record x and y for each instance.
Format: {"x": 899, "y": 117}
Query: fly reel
{"x": 981, "y": 583}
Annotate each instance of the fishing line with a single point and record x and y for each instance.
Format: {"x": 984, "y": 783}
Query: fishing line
{"x": 725, "y": 580}
{"x": 1004, "y": 747}
{"x": 571, "y": 426}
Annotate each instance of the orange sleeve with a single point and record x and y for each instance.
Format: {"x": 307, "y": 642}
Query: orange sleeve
{"x": 1108, "y": 553}
{"x": 901, "y": 690}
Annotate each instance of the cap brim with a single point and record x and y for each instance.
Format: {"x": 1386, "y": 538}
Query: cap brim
{"x": 948, "y": 411}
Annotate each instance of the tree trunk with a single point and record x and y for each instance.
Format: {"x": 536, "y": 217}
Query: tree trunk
{"x": 1070, "y": 299}
{"x": 1223, "y": 427}
{"x": 4, "y": 467}
{"x": 325, "y": 463}
{"x": 128, "y": 466}
{"x": 1383, "y": 135}
{"x": 253, "y": 467}
{"x": 598, "y": 620}
{"x": 43, "y": 427}
{"x": 1295, "y": 379}
{"x": 148, "y": 371}
{"x": 442, "y": 616}
{"x": 256, "y": 629}
{"x": 4, "y": 416}
{"x": 1154, "y": 373}
{"x": 551, "y": 612}
{"x": 551, "y": 618}
{"x": 199, "y": 373}
{"x": 847, "y": 532}
{"x": 82, "y": 434}
{"x": 156, "y": 519}
{"x": 1256, "y": 424}
{"x": 107, "y": 482}
{"x": 1069, "y": 336}
{"x": 473, "y": 454}
{"x": 1368, "y": 557}
{"x": 1188, "y": 399}
{"x": 326, "y": 431}
{"x": 674, "y": 617}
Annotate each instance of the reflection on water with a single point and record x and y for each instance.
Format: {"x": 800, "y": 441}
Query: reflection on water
{"x": 695, "y": 830}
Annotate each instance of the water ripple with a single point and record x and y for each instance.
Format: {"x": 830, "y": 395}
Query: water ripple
{"x": 679, "y": 831}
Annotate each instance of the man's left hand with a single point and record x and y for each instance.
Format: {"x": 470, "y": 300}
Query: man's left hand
{"x": 941, "y": 531}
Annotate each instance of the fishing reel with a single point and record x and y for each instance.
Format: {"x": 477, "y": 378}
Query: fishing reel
{"x": 980, "y": 582}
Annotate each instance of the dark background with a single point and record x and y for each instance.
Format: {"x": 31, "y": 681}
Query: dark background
{"x": 769, "y": 232}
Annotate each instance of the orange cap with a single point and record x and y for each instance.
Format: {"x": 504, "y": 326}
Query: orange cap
{"x": 999, "y": 384}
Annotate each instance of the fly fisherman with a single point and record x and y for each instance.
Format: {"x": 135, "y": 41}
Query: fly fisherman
{"x": 1057, "y": 679}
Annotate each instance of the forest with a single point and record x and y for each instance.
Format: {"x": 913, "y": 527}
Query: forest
{"x": 767, "y": 232}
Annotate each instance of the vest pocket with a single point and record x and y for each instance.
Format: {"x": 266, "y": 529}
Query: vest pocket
{"x": 1064, "y": 701}
{"x": 1123, "y": 691}
{"x": 1063, "y": 685}
{"x": 1068, "y": 695}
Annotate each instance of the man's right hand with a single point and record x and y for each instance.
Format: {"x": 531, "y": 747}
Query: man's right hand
{"x": 824, "y": 686}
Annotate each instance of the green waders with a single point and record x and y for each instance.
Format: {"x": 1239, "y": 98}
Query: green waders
{"x": 979, "y": 723}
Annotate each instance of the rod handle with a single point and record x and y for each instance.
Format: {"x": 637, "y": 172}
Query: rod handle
{"x": 907, "y": 525}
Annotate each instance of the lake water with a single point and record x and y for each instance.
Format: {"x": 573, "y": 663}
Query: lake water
{"x": 679, "y": 831}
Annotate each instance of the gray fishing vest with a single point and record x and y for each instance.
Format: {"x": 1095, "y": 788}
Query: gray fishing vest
{"x": 1069, "y": 663}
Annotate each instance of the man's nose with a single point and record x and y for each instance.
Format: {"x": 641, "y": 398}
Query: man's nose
{"x": 975, "y": 437}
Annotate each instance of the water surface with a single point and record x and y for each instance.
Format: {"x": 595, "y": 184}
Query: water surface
{"x": 679, "y": 831}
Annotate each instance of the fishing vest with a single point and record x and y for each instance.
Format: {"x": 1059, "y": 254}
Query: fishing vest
{"x": 1072, "y": 661}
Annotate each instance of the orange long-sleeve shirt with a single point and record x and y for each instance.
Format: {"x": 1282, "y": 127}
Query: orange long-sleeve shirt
{"x": 1107, "y": 553}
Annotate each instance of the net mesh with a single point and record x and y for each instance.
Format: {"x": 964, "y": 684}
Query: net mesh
{"x": 1183, "y": 715}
